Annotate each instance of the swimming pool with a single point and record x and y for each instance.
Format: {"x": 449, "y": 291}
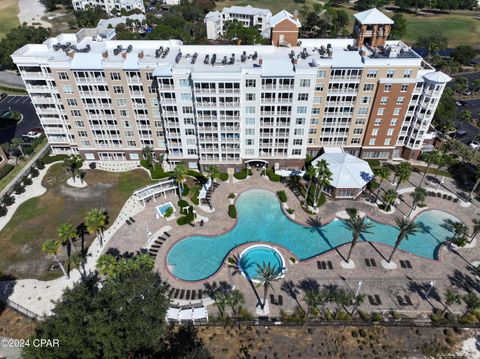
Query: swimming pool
{"x": 260, "y": 219}
{"x": 256, "y": 255}
{"x": 162, "y": 209}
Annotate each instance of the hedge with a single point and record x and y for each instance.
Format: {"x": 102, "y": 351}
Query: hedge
{"x": 50, "y": 159}
{"x": 223, "y": 176}
{"x": 232, "y": 211}
{"x": 182, "y": 203}
{"x": 242, "y": 174}
{"x": 282, "y": 195}
{"x": 185, "y": 219}
{"x": 194, "y": 196}
{"x": 27, "y": 150}
{"x": 273, "y": 176}
{"x": 5, "y": 170}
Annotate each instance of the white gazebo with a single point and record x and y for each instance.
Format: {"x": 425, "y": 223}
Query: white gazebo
{"x": 155, "y": 190}
{"x": 350, "y": 174}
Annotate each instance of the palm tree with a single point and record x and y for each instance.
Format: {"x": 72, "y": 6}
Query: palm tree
{"x": 107, "y": 264}
{"x": 179, "y": 173}
{"x": 312, "y": 300}
{"x": 429, "y": 157}
{"x": 324, "y": 177}
{"x": 383, "y": 173}
{"x": 235, "y": 298}
{"x": 418, "y": 196}
{"x": 451, "y": 297}
{"x": 358, "y": 226}
{"x": 267, "y": 274}
{"x": 213, "y": 172}
{"x": 66, "y": 233}
{"x": 357, "y": 300}
{"x": 403, "y": 172}
{"x": 78, "y": 260}
{"x": 465, "y": 116}
{"x": 406, "y": 228}
{"x": 477, "y": 176}
{"x": 459, "y": 234}
{"x": 389, "y": 198}
{"x": 95, "y": 222}
{"x": 73, "y": 165}
{"x": 311, "y": 173}
{"x": 475, "y": 229}
{"x": 476, "y": 85}
{"x": 221, "y": 301}
{"x": 443, "y": 160}
{"x": 52, "y": 247}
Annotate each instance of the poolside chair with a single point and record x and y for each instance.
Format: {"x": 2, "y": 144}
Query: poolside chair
{"x": 128, "y": 222}
{"x": 371, "y": 300}
{"x": 400, "y": 300}
{"x": 171, "y": 292}
{"x": 177, "y": 291}
{"x": 408, "y": 264}
{"x": 194, "y": 294}
{"x": 408, "y": 301}
{"x": 182, "y": 294}
{"x": 200, "y": 294}
{"x": 378, "y": 300}
{"x": 272, "y": 299}
{"x": 131, "y": 219}
{"x": 187, "y": 296}
{"x": 167, "y": 234}
{"x": 201, "y": 223}
{"x": 402, "y": 263}
{"x": 330, "y": 266}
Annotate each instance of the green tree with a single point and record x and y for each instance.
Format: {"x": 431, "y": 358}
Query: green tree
{"x": 324, "y": 178}
{"x": 235, "y": 299}
{"x": 464, "y": 54}
{"x": 405, "y": 228}
{"x": 66, "y": 233}
{"x": 389, "y": 198}
{"x": 179, "y": 173}
{"x": 460, "y": 85}
{"x": 52, "y": 248}
{"x": 358, "y": 226}
{"x": 403, "y": 172}
{"x": 465, "y": 116}
{"x": 73, "y": 164}
{"x": 106, "y": 264}
{"x": 95, "y": 222}
{"x": 213, "y": 172}
{"x": 430, "y": 158}
{"x": 238, "y": 34}
{"x": 476, "y": 85}
{"x": 418, "y": 196}
{"x": 399, "y": 28}
{"x": 475, "y": 228}
{"x": 311, "y": 174}
{"x": 384, "y": 173}
{"x": 459, "y": 234}
{"x": 451, "y": 297}
{"x": 472, "y": 301}
{"x": 267, "y": 274}
{"x": 432, "y": 43}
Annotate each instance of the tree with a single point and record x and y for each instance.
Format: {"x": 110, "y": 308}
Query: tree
{"x": 405, "y": 228}
{"x": 451, "y": 297}
{"x": 221, "y": 302}
{"x": 399, "y": 28}
{"x": 403, "y": 172}
{"x": 475, "y": 229}
{"x": 95, "y": 222}
{"x": 418, "y": 196}
{"x": 311, "y": 173}
{"x": 324, "y": 178}
{"x": 90, "y": 17}
{"x": 459, "y": 234}
{"x": 52, "y": 247}
{"x": 389, "y": 198}
{"x": 237, "y": 33}
{"x": 73, "y": 165}
{"x": 432, "y": 43}
{"x": 267, "y": 274}
{"x": 465, "y": 116}
{"x": 383, "y": 173}
{"x": 179, "y": 173}
{"x": 148, "y": 154}
{"x": 66, "y": 233}
{"x": 106, "y": 264}
{"x": 443, "y": 160}
{"x": 358, "y": 226}
{"x": 464, "y": 54}
{"x": 460, "y": 85}
{"x": 446, "y": 111}
{"x": 476, "y": 85}
{"x": 472, "y": 301}
{"x": 430, "y": 158}
{"x": 477, "y": 182}
{"x": 235, "y": 299}
{"x": 213, "y": 172}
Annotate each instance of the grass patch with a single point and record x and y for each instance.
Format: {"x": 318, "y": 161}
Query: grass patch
{"x": 8, "y": 16}
{"x": 38, "y": 218}
{"x": 433, "y": 171}
{"x": 232, "y": 211}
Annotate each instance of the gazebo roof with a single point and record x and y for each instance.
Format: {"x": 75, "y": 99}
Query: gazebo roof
{"x": 347, "y": 171}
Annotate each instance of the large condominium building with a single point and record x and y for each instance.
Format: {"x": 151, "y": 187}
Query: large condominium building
{"x": 227, "y": 105}
{"x": 216, "y": 21}
{"x": 110, "y": 6}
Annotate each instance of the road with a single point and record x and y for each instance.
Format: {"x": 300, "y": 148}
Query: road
{"x": 11, "y": 79}
{"x": 471, "y": 131}
{"x": 30, "y": 119}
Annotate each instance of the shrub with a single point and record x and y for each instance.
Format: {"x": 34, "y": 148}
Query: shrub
{"x": 8, "y": 200}
{"x": 373, "y": 163}
{"x": 223, "y": 176}
{"x": 343, "y": 315}
{"x": 244, "y": 314}
{"x": 5, "y": 170}
{"x": 290, "y": 210}
{"x": 186, "y": 190}
{"x": 40, "y": 164}
{"x": 242, "y": 174}
{"x": 376, "y": 317}
{"x": 3, "y": 211}
{"x": 182, "y": 203}
{"x": 27, "y": 150}
{"x": 282, "y": 196}
{"x": 146, "y": 164}
{"x": 168, "y": 212}
{"x": 195, "y": 191}
{"x": 322, "y": 200}
{"x": 232, "y": 195}
{"x": 188, "y": 218}
{"x": 19, "y": 188}
{"x": 272, "y": 176}
{"x": 232, "y": 211}
{"x": 27, "y": 181}
{"x": 198, "y": 176}
{"x": 34, "y": 172}
{"x": 364, "y": 315}
{"x": 373, "y": 185}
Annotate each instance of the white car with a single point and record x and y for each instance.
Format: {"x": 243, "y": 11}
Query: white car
{"x": 31, "y": 135}
{"x": 474, "y": 144}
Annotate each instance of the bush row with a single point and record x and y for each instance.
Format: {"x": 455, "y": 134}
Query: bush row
{"x": 273, "y": 176}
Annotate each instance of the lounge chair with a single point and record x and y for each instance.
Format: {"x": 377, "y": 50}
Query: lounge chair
{"x": 280, "y": 300}
{"x": 171, "y": 292}
{"x": 408, "y": 264}
{"x": 194, "y": 294}
{"x": 187, "y": 296}
{"x": 177, "y": 291}
{"x": 272, "y": 299}
{"x": 330, "y": 266}
{"x": 201, "y": 223}
{"x": 182, "y": 294}
{"x": 408, "y": 301}
{"x": 371, "y": 300}
{"x": 400, "y": 300}
{"x": 200, "y": 294}
{"x": 128, "y": 222}
{"x": 131, "y": 219}
{"x": 372, "y": 262}
{"x": 402, "y": 263}
{"x": 378, "y": 300}
{"x": 167, "y": 234}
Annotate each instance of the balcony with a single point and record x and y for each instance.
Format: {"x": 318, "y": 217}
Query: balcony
{"x": 35, "y": 75}
{"x": 43, "y": 99}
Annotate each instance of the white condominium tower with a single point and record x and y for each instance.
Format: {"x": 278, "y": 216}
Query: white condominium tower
{"x": 225, "y": 105}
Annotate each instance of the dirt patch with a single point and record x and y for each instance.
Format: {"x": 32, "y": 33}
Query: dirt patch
{"x": 329, "y": 342}
{"x": 13, "y": 325}
{"x": 99, "y": 189}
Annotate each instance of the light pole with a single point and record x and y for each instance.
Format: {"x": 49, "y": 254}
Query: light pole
{"x": 358, "y": 288}
{"x": 432, "y": 284}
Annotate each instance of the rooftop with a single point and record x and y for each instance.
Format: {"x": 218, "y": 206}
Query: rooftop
{"x": 282, "y": 15}
{"x": 372, "y": 16}
{"x": 246, "y": 10}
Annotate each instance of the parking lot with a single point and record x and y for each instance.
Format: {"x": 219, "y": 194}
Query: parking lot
{"x": 30, "y": 120}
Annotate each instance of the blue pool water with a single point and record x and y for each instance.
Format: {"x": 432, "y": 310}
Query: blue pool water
{"x": 260, "y": 219}
{"x": 163, "y": 208}
{"x": 255, "y": 256}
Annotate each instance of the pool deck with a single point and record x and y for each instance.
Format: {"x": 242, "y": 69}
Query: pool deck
{"x": 451, "y": 269}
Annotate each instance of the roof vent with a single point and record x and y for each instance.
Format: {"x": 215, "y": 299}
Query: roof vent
{"x": 165, "y": 53}
{"x": 205, "y": 60}
{"x": 178, "y": 57}
{"x": 194, "y": 58}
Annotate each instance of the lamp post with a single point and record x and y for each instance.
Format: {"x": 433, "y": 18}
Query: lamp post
{"x": 432, "y": 284}
{"x": 358, "y": 288}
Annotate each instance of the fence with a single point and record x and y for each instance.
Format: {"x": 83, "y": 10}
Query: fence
{"x": 22, "y": 310}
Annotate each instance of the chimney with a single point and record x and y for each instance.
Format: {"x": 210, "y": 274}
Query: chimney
{"x": 105, "y": 54}
{"x": 295, "y": 15}
{"x": 140, "y": 55}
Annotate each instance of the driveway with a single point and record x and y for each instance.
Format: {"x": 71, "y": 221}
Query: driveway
{"x": 30, "y": 119}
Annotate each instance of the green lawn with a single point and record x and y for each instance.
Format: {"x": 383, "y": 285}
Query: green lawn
{"x": 37, "y": 219}
{"x": 8, "y": 16}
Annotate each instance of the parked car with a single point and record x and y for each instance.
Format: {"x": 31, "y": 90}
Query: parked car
{"x": 37, "y": 130}
{"x": 461, "y": 133}
{"x": 3, "y": 95}
{"x": 474, "y": 144}
{"x": 31, "y": 135}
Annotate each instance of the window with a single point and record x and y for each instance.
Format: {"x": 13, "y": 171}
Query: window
{"x": 363, "y": 110}
{"x": 250, "y": 109}
{"x": 186, "y": 96}
{"x": 249, "y": 131}
{"x": 118, "y": 89}
{"x": 372, "y": 73}
{"x": 82, "y": 134}
{"x": 380, "y": 111}
{"x": 321, "y": 74}
{"x": 404, "y": 88}
{"x": 407, "y": 73}
{"x": 115, "y": 76}
{"x": 250, "y": 83}
{"x": 131, "y": 144}
{"x": 298, "y": 132}
{"x": 375, "y": 132}
{"x": 378, "y": 121}
{"x": 383, "y": 100}
{"x": 296, "y": 152}
{"x": 387, "y": 141}
{"x": 303, "y": 97}
{"x": 67, "y": 89}
{"x": 390, "y": 132}
{"x": 304, "y": 83}
{"x": 189, "y": 132}
{"x": 400, "y": 100}
{"x": 315, "y": 111}
{"x": 129, "y": 134}
{"x": 250, "y": 121}
{"x": 75, "y": 113}
{"x": 79, "y": 124}
{"x": 357, "y": 131}
{"x": 396, "y": 112}
{"x": 319, "y": 87}
{"x": 314, "y": 121}
{"x": 390, "y": 74}
{"x": 360, "y": 121}
{"x": 85, "y": 143}
{"x": 126, "y": 124}
{"x": 123, "y": 113}
{"x": 183, "y": 83}
{"x": 368, "y": 87}
{"x": 250, "y": 97}
{"x": 297, "y": 142}
{"x": 302, "y": 109}
{"x": 387, "y": 88}
{"x": 300, "y": 121}
{"x": 156, "y": 113}
{"x": 249, "y": 142}
{"x": 149, "y": 75}
{"x": 312, "y": 131}
{"x": 365, "y": 100}
{"x": 317, "y": 100}
{"x": 393, "y": 122}
{"x": 372, "y": 142}
{"x": 71, "y": 102}
{"x": 63, "y": 76}
{"x": 121, "y": 102}
{"x": 355, "y": 141}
